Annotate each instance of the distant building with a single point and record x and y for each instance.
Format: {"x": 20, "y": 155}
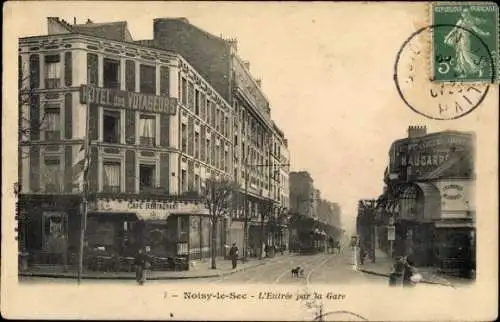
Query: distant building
{"x": 302, "y": 193}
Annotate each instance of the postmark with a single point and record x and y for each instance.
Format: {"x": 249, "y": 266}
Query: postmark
{"x": 460, "y": 46}
{"x": 437, "y": 100}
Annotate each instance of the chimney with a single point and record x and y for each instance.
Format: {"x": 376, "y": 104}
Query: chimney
{"x": 247, "y": 64}
{"x": 74, "y": 20}
{"x": 89, "y": 21}
{"x": 416, "y": 131}
{"x": 259, "y": 82}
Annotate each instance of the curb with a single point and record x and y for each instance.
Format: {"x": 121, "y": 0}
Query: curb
{"x": 387, "y": 275}
{"x": 151, "y": 278}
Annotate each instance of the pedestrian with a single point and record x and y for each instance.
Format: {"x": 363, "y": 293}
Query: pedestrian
{"x": 140, "y": 266}
{"x": 233, "y": 253}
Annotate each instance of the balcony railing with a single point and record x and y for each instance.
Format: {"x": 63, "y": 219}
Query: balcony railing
{"x": 152, "y": 190}
{"x": 52, "y": 135}
{"x": 52, "y": 83}
{"x": 112, "y": 189}
{"x": 53, "y": 187}
{"x": 148, "y": 141}
{"x": 111, "y": 84}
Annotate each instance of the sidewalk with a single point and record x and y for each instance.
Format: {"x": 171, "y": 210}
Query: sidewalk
{"x": 383, "y": 265}
{"x": 200, "y": 269}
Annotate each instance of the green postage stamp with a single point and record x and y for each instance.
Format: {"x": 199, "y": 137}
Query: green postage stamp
{"x": 465, "y": 42}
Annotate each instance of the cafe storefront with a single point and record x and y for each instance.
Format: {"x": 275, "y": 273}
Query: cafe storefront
{"x": 169, "y": 230}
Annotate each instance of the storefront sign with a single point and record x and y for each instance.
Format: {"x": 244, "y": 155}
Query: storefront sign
{"x": 420, "y": 156}
{"x": 128, "y": 100}
{"x": 155, "y": 210}
{"x": 452, "y": 191}
{"x": 457, "y": 197}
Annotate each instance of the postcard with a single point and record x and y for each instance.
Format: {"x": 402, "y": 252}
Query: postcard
{"x": 260, "y": 161}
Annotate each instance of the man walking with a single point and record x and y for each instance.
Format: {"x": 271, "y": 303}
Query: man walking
{"x": 140, "y": 265}
{"x": 233, "y": 253}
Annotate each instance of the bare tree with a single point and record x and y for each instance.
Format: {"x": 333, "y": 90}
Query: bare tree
{"x": 218, "y": 198}
{"x": 266, "y": 212}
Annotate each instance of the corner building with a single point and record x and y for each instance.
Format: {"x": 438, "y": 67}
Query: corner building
{"x": 260, "y": 149}
{"x": 157, "y": 129}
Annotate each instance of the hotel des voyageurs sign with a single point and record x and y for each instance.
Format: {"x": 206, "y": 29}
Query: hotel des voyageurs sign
{"x": 128, "y": 100}
{"x": 425, "y": 154}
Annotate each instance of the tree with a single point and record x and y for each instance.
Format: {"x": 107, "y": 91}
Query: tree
{"x": 218, "y": 199}
{"x": 266, "y": 211}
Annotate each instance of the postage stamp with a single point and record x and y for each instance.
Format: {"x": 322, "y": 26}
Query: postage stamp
{"x": 465, "y": 47}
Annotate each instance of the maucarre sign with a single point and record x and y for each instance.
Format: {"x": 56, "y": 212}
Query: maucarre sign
{"x": 425, "y": 154}
{"x": 128, "y": 100}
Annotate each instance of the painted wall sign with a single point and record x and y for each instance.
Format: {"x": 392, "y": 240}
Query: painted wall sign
{"x": 128, "y": 100}
{"x": 452, "y": 191}
{"x": 457, "y": 197}
{"x": 155, "y": 210}
{"x": 417, "y": 157}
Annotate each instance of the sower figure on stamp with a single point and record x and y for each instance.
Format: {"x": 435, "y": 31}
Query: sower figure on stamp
{"x": 233, "y": 253}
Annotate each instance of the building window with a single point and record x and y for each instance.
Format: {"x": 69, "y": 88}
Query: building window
{"x": 112, "y": 175}
{"x": 197, "y": 183}
{"x": 190, "y": 96}
{"x": 183, "y": 181}
{"x": 111, "y": 73}
{"x": 148, "y": 79}
{"x": 52, "y": 71}
{"x": 111, "y": 127}
{"x": 53, "y": 124}
{"x": 146, "y": 176}
{"x": 184, "y": 138}
{"x": 51, "y": 176}
{"x": 184, "y": 91}
{"x": 197, "y": 102}
{"x": 208, "y": 152}
{"x": 147, "y": 129}
{"x": 196, "y": 145}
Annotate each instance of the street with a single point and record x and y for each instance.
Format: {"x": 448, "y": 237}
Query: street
{"x": 318, "y": 269}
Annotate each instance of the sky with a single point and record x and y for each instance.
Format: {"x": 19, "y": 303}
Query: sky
{"x": 327, "y": 69}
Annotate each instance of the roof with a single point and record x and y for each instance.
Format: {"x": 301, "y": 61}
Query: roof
{"x": 110, "y": 30}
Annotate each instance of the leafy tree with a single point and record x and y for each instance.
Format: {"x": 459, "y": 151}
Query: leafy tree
{"x": 218, "y": 198}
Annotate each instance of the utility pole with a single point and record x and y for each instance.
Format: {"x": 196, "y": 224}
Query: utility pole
{"x": 84, "y": 203}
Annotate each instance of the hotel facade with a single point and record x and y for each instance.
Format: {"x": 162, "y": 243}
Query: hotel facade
{"x": 157, "y": 130}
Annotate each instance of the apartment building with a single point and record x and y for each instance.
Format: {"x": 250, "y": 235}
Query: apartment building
{"x": 157, "y": 129}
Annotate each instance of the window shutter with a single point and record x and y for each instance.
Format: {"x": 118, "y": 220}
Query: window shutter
{"x": 165, "y": 130}
{"x": 68, "y": 68}
{"x": 34, "y": 71}
{"x": 165, "y": 172}
{"x": 34, "y": 168}
{"x": 68, "y": 168}
{"x": 130, "y": 76}
{"x": 92, "y": 174}
{"x": 94, "y": 121}
{"x": 92, "y": 69}
{"x": 34, "y": 129}
{"x": 68, "y": 116}
{"x": 164, "y": 81}
{"x": 130, "y": 174}
{"x": 130, "y": 126}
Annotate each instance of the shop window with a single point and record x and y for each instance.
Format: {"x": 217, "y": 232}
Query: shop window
{"x": 146, "y": 176}
{"x": 111, "y": 127}
{"x": 52, "y": 71}
{"x": 51, "y": 175}
{"x": 147, "y": 129}
{"x": 148, "y": 79}
{"x": 184, "y": 138}
{"x": 112, "y": 176}
{"x": 52, "y": 124}
{"x": 54, "y": 234}
{"x": 111, "y": 73}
